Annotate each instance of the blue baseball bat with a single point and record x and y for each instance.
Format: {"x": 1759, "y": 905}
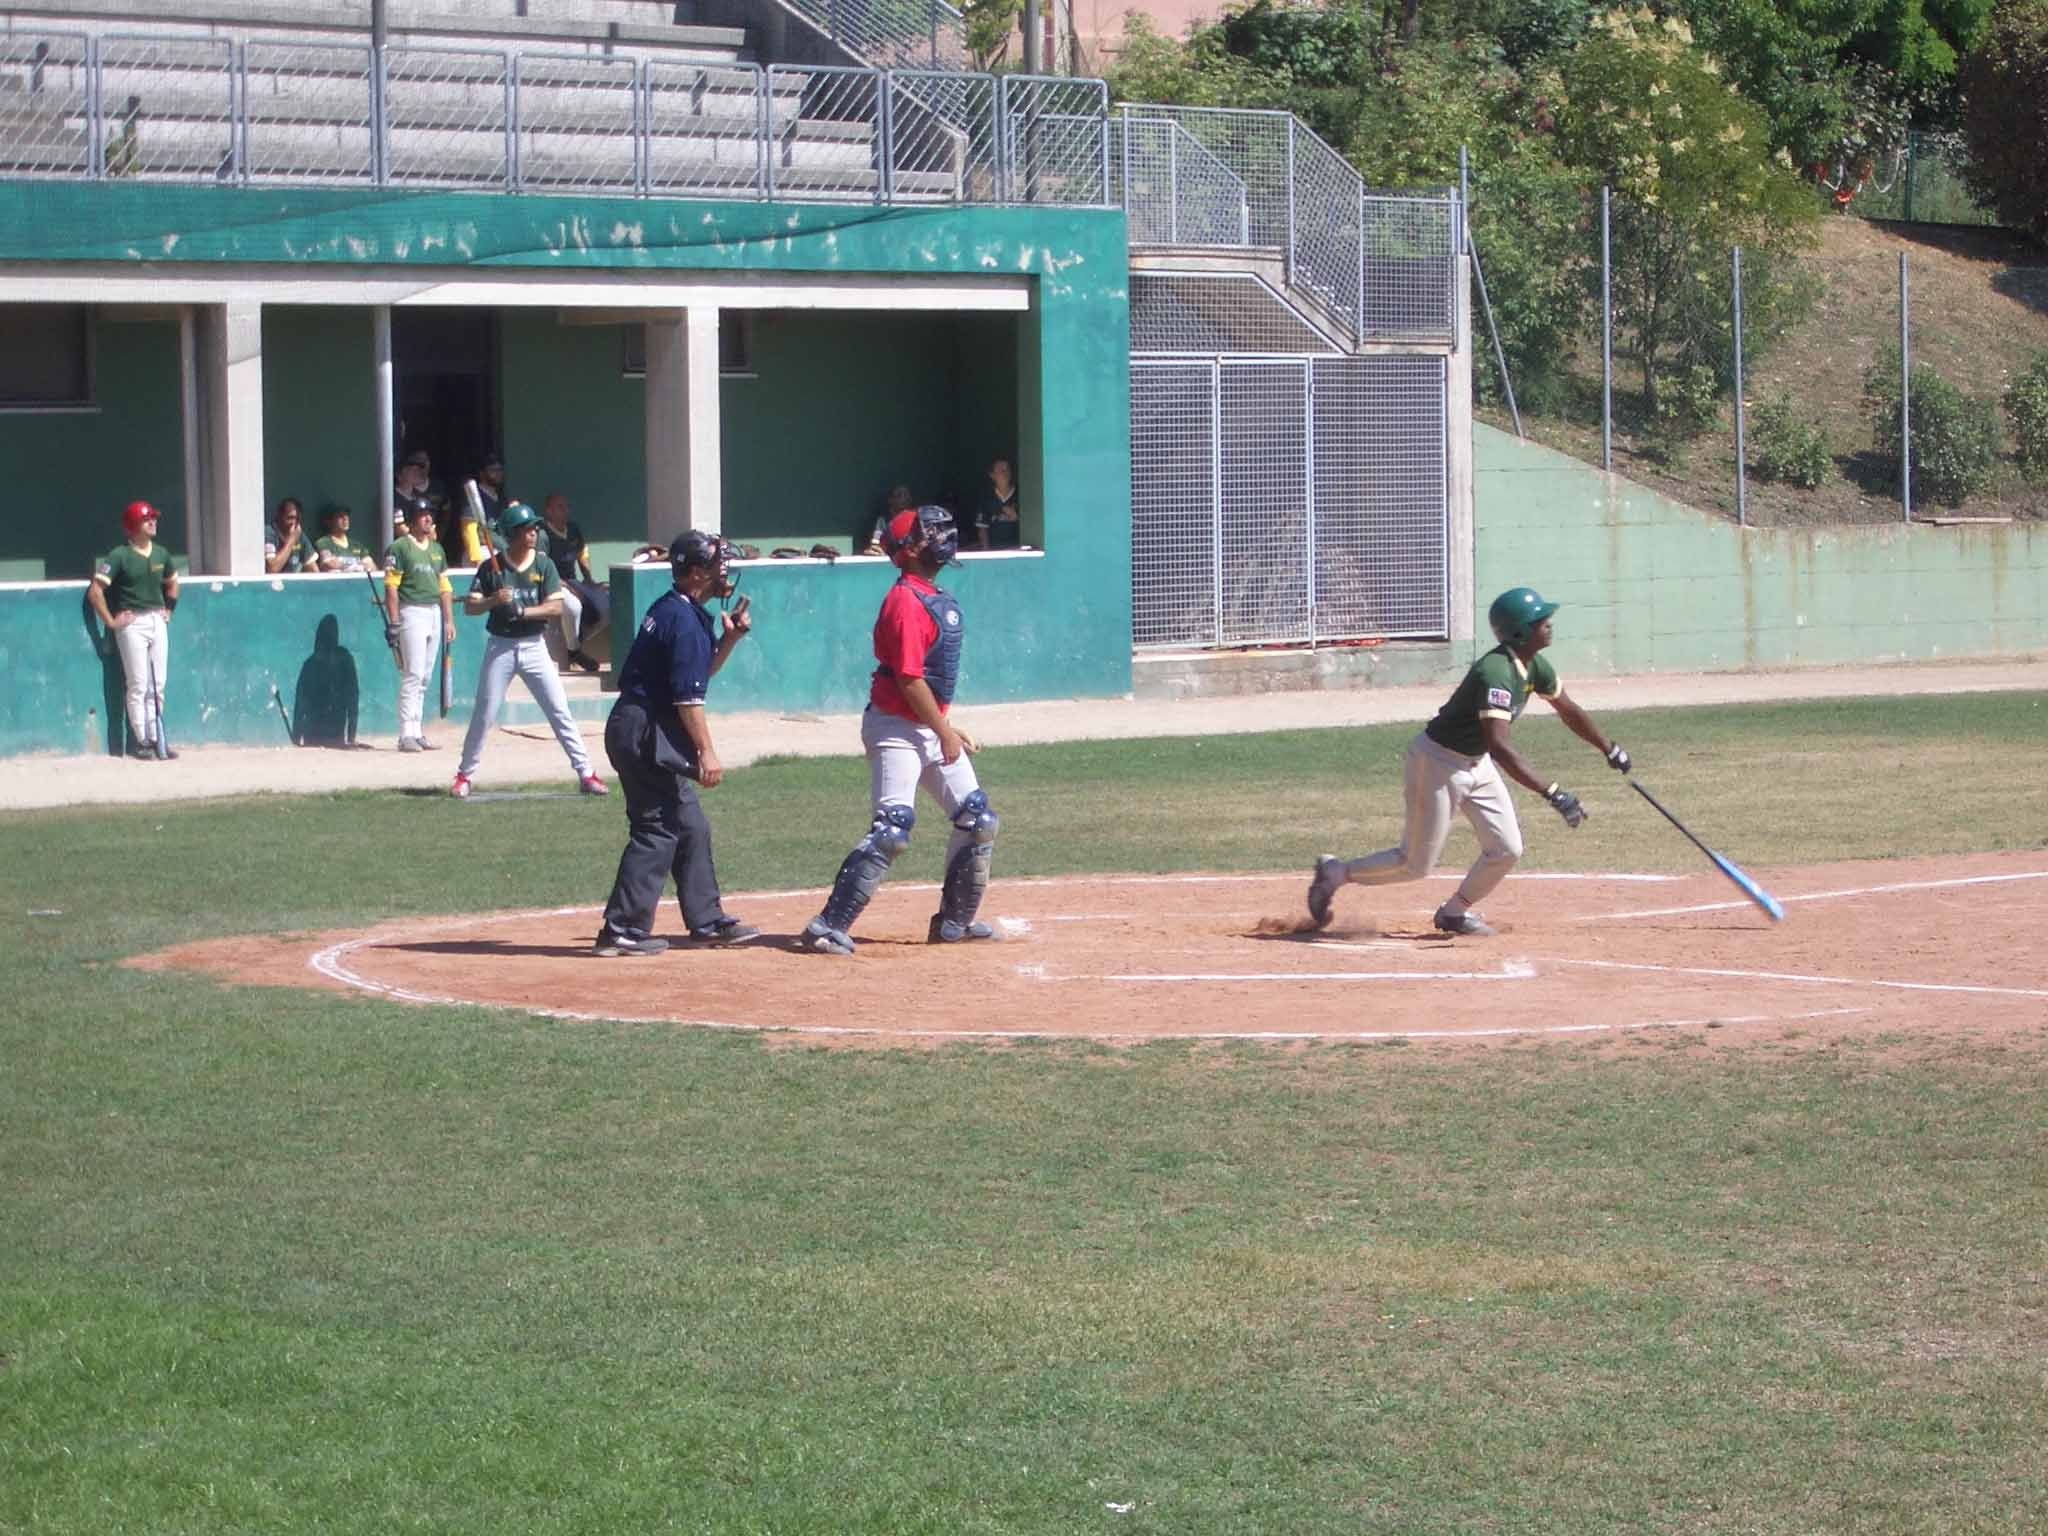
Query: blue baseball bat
{"x": 1756, "y": 893}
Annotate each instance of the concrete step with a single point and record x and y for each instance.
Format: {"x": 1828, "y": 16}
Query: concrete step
{"x": 587, "y": 702}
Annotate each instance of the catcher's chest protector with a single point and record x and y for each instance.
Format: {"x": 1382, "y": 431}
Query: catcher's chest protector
{"x": 942, "y": 661}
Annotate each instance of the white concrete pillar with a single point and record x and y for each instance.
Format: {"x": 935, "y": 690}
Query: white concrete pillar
{"x": 1463, "y": 531}
{"x": 223, "y": 348}
{"x": 684, "y": 473}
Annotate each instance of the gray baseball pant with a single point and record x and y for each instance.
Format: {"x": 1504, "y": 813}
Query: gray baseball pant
{"x": 528, "y": 659}
{"x": 1437, "y": 782}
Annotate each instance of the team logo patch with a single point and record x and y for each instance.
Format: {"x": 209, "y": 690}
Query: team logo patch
{"x": 1499, "y": 698}
{"x": 952, "y": 616}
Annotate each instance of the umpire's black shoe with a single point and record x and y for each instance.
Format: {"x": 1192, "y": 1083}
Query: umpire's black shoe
{"x": 726, "y": 931}
{"x": 610, "y": 944}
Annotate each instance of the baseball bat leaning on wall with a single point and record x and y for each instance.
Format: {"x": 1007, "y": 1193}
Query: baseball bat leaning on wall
{"x": 162, "y": 743}
{"x": 384, "y": 618}
{"x": 278, "y": 699}
{"x": 1733, "y": 871}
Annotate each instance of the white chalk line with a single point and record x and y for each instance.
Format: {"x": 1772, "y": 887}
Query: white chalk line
{"x": 1511, "y": 970}
{"x": 1802, "y": 980}
{"x": 1811, "y": 896}
{"x": 332, "y": 963}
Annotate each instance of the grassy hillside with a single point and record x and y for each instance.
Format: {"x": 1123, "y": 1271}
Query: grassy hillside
{"x": 1980, "y": 312}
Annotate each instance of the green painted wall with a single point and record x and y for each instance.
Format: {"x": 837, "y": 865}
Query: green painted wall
{"x": 1056, "y": 625}
{"x": 68, "y": 474}
{"x": 320, "y": 413}
{"x": 231, "y": 641}
{"x": 812, "y": 646}
{"x": 1650, "y": 585}
{"x": 573, "y": 421}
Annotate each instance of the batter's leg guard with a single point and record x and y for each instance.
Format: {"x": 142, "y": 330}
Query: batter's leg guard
{"x": 966, "y": 875}
{"x": 854, "y": 886}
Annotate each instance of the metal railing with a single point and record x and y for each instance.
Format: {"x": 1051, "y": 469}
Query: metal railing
{"x": 890, "y": 34}
{"x": 272, "y": 111}
{"x": 1373, "y": 265}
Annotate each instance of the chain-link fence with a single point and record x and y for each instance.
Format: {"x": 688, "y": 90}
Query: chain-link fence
{"x": 1287, "y": 500}
{"x": 1920, "y": 181}
{"x": 48, "y": 112}
{"x": 280, "y": 111}
{"x": 1373, "y": 266}
{"x": 890, "y": 34}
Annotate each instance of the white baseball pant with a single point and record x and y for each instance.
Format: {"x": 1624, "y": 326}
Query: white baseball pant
{"x": 904, "y": 756}
{"x": 145, "y": 647}
{"x": 419, "y": 643}
{"x": 529, "y": 660}
{"x": 1437, "y": 782}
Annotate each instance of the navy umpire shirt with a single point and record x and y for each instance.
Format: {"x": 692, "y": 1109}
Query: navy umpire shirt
{"x": 670, "y": 662}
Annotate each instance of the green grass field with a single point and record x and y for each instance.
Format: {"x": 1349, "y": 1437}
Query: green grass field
{"x": 274, "y": 1260}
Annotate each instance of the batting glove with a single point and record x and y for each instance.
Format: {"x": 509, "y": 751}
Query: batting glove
{"x": 1566, "y": 804}
{"x": 1617, "y": 759}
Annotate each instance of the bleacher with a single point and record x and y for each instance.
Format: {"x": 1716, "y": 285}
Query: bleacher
{"x": 608, "y": 96}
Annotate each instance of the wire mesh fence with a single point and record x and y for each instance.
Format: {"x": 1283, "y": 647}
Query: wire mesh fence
{"x": 1207, "y": 314}
{"x": 709, "y": 128}
{"x": 1056, "y": 140}
{"x": 278, "y": 111}
{"x": 1920, "y": 180}
{"x": 1288, "y": 500}
{"x": 944, "y": 146}
{"x": 166, "y": 107}
{"x": 46, "y": 85}
{"x": 449, "y": 116}
{"x": 1252, "y": 147}
{"x": 1173, "y": 189}
{"x": 306, "y": 110}
{"x": 1410, "y": 265}
{"x": 578, "y": 123}
{"x": 890, "y": 33}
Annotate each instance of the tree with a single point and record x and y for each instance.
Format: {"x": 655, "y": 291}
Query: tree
{"x": 1691, "y": 166}
{"x": 2005, "y": 117}
{"x": 988, "y": 26}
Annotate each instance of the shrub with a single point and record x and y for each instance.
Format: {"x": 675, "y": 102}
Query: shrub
{"x": 2026, "y": 404}
{"x": 1955, "y": 436}
{"x": 1786, "y": 449}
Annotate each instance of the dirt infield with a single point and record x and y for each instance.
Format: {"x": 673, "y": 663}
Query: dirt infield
{"x": 1874, "y": 947}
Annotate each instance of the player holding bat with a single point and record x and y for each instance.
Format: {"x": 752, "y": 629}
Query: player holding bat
{"x": 659, "y": 740}
{"x": 419, "y": 619}
{"x": 1455, "y": 764}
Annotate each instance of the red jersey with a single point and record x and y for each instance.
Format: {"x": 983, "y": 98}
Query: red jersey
{"x": 904, "y": 635}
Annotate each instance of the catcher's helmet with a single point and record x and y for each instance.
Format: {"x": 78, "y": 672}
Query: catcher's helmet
{"x": 1516, "y": 612}
{"x": 515, "y": 516}
{"x": 134, "y": 515}
{"x": 694, "y": 549}
{"x": 924, "y": 533}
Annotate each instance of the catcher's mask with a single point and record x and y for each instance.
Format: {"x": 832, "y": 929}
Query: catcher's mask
{"x": 922, "y": 535}
{"x": 697, "y": 550}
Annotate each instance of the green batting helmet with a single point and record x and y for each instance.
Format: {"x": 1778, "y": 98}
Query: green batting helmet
{"x": 516, "y": 515}
{"x": 1517, "y": 611}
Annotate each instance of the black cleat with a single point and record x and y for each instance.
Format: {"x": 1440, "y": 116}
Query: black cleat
{"x": 610, "y": 944}
{"x": 1468, "y": 923}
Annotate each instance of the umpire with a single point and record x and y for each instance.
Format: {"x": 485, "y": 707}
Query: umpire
{"x": 658, "y": 740}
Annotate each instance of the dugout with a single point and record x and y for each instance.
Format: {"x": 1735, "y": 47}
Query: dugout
{"x": 764, "y": 370}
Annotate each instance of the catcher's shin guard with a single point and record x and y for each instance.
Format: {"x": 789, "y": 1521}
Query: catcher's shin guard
{"x": 967, "y": 872}
{"x": 863, "y": 869}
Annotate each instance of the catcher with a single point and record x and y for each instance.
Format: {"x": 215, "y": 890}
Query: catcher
{"x": 1455, "y": 764}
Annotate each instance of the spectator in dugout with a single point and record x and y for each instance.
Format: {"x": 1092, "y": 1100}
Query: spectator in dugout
{"x": 995, "y": 515}
{"x": 337, "y": 549}
{"x": 286, "y": 548}
{"x": 898, "y": 500}
{"x": 586, "y": 603}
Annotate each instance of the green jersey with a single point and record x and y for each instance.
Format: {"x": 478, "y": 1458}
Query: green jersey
{"x": 419, "y": 571}
{"x": 302, "y": 556}
{"x": 1496, "y": 688}
{"x": 347, "y": 554}
{"x": 536, "y": 584}
{"x": 134, "y": 581}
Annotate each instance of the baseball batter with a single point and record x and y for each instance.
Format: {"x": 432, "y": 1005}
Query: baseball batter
{"x": 133, "y": 592}
{"x": 912, "y": 742}
{"x": 1455, "y": 764}
{"x": 421, "y": 605}
{"x": 519, "y": 590}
